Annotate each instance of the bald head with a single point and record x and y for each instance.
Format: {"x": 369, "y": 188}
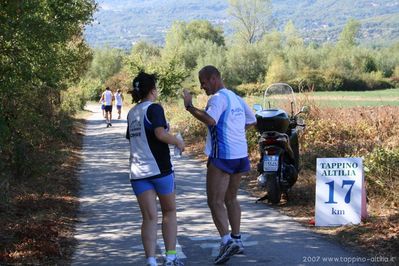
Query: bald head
{"x": 208, "y": 71}
{"x": 210, "y": 79}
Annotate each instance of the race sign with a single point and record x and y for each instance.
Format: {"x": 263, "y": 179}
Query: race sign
{"x": 340, "y": 191}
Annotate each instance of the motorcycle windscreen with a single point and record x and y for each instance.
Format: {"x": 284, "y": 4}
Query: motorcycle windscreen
{"x": 270, "y": 163}
{"x": 280, "y": 96}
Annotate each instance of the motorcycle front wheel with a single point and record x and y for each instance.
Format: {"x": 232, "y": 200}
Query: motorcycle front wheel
{"x": 273, "y": 189}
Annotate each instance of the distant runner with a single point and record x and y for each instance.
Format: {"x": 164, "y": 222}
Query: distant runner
{"x": 102, "y": 102}
{"x": 118, "y": 102}
{"x": 107, "y": 97}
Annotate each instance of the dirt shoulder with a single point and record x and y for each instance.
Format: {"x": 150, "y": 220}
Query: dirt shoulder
{"x": 39, "y": 216}
{"x": 375, "y": 236}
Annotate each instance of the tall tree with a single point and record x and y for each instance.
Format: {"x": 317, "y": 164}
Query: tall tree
{"x": 185, "y": 42}
{"x": 347, "y": 38}
{"x": 106, "y": 62}
{"x": 292, "y": 36}
{"x": 41, "y": 52}
{"x": 251, "y": 18}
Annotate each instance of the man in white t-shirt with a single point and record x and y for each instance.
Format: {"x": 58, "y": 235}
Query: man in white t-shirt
{"x": 107, "y": 97}
{"x": 227, "y": 116}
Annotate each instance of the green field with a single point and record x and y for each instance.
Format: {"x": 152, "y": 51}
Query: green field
{"x": 389, "y": 97}
{"x": 368, "y": 94}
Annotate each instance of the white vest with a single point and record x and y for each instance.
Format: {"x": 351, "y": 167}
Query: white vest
{"x": 142, "y": 162}
{"x": 118, "y": 99}
{"x": 108, "y": 97}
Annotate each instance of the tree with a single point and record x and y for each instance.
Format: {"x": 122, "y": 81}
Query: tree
{"x": 245, "y": 64}
{"x": 185, "y": 42}
{"x": 277, "y": 72}
{"x": 170, "y": 73}
{"x": 146, "y": 50}
{"x": 41, "y": 52}
{"x": 292, "y": 37}
{"x": 251, "y": 18}
{"x": 106, "y": 63}
{"x": 203, "y": 29}
{"x": 347, "y": 38}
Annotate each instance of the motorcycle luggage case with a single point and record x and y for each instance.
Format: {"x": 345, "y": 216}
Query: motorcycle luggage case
{"x": 272, "y": 120}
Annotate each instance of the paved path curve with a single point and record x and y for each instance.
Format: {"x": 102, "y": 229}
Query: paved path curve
{"x": 108, "y": 231}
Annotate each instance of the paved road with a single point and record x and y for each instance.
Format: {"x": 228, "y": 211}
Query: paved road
{"x": 109, "y": 229}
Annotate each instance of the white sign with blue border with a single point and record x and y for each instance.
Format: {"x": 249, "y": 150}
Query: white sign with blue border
{"x": 340, "y": 191}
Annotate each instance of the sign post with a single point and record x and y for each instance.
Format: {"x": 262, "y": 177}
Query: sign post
{"x": 340, "y": 191}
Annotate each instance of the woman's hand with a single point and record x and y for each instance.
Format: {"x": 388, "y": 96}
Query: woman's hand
{"x": 164, "y": 136}
{"x": 180, "y": 144}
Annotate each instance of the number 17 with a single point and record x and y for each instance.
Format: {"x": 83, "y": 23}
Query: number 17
{"x": 331, "y": 191}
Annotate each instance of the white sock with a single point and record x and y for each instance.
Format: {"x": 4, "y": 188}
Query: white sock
{"x": 226, "y": 238}
{"x": 171, "y": 257}
{"x": 151, "y": 260}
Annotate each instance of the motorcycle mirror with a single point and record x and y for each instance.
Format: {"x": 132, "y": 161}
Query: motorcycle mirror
{"x": 305, "y": 109}
{"x": 257, "y": 107}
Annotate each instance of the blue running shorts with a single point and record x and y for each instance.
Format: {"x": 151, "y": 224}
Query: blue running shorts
{"x": 231, "y": 166}
{"x": 162, "y": 185}
{"x": 108, "y": 108}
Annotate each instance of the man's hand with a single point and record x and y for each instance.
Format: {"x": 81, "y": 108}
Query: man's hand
{"x": 197, "y": 113}
{"x": 187, "y": 97}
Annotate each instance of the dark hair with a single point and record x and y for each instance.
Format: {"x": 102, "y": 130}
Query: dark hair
{"x": 208, "y": 71}
{"x": 107, "y": 88}
{"x": 142, "y": 84}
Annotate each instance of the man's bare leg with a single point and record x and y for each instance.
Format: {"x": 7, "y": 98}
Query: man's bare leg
{"x": 232, "y": 204}
{"x": 217, "y": 183}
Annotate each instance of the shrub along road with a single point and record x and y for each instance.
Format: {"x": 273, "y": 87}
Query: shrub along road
{"x": 108, "y": 231}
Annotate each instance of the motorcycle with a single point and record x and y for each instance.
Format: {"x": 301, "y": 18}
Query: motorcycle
{"x": 278, "y": 124}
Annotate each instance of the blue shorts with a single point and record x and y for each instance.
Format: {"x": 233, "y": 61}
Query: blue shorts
{"x": 102, "y": 107}
{"x": 108, "y": 108}
{"x": 162, "y": 185}
{"x": 231, "y": 166}
{"x": 119, "y": 107}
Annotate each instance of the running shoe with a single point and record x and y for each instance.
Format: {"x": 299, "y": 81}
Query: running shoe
{"x": 175, "y": 262}
{"x": 226, "y": 251}
{"x": 240, "y": 245}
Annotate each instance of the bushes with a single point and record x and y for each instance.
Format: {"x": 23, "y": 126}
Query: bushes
{"x": 250, "y": 89}
{"x": 370, "y": 133}
{"x": 333, "y": 80}
{"x": 73, "y": 100}
{"x": 382, "y": 173}
{"x": 183, "y": 121}
{"x": 244, "y": 64}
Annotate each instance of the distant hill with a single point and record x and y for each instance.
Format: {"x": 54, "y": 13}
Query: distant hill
{"x": 121, "y": 23}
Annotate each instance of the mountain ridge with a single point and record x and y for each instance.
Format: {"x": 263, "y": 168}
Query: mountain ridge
{"x": 121, "y": 23}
